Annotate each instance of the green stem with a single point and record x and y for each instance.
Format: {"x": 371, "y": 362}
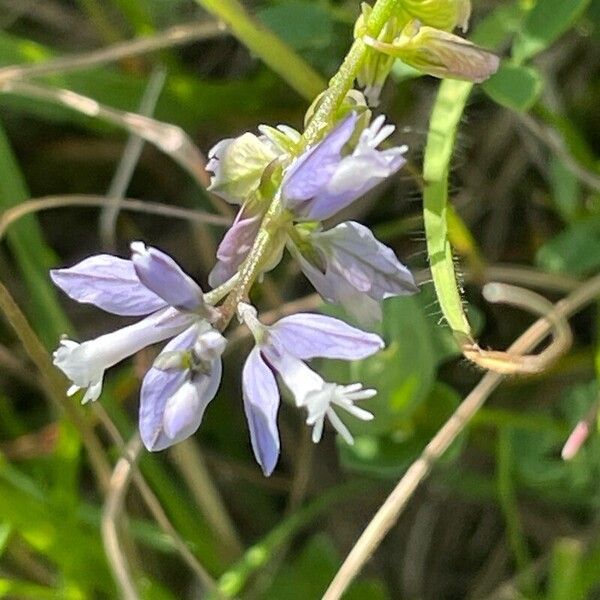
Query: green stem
{"x": 445, "y": 117}
{"x": 510, "y": 507}
{"x": 220, "y": 292}
{"x": 342, "y": 81}
{"x": 267, "y": 46}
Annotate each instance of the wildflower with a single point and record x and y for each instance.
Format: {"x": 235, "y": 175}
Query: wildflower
{"x": 324, "y": 179}
{"x": 176, "y": 391}
{"x": 347, "y": 265}
{"x": 281, "y": 350}
{"x": 186, "y": 375}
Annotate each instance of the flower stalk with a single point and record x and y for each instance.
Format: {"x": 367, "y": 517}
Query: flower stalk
{"x": 320, "y": 123}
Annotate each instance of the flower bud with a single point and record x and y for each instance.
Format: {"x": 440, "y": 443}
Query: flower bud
{"x": 210, "y": 345}
{"x": 441, "y": 14}
{"x": 237, "y": 166}
{"x": 439, "y": 53}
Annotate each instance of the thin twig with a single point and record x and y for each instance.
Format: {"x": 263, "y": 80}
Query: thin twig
{"x": 154, "y": 506}
{"x": 129, "y": 160}
{"x": 8, "y": 217}
{"x": 174, "y": 36}
{"x": 111, "y": 512}
{"x": 391, "y": 509}
{"x": 511, "y": 363}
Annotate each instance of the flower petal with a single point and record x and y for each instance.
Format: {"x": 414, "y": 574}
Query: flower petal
{"x": 110, "y": 283}
{"x": 234, "y": 247}
{"x": 238, "y": 165}
{"x": 333, "y": 288}
{"x": 84, "y": 364}
{"x": 261, "y": 403}
{"x": 309, "y": 335}
{"x": 159, "y": 386}
{"x": 161, "y": 274}
{"x": 355, "y": 176}
{"x": 298, "y": 377}
{"x": 306, "y": 176}
{"x": 352, "y": 251}
{"x": 185, "y": 408}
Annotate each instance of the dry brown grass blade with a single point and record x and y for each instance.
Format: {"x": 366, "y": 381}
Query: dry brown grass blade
{"x": 388, "y": 513}
{"x": 8, "y": 217}
{"x": 170, "y": 139}
{"x": 174, "y": 36}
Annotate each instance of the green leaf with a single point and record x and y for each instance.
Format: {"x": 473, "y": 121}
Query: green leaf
{"x": 546, "y": 22}
{"x": 30, "y": 251}
{"x": 498, "y": 25}
{"x": 311, "y": 572}
{"x": 25, "y": 590}
{"x": 514, "y": 86}
{"x": 402, "y": 373}
{"x": 5, "y": 532}
{"x": 575, "y": 251}
{"x": 540, "y": 466}
{"x": 303, "y": 25}
{"x": 54, "y": 531}
{"x": 566, "y": 190}
{"x": 186, "y": 101}
{"x": 270, "y": 48}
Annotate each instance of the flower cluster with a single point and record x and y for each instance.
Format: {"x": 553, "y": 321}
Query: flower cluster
{"x": 346, "y": 264}
{"x": 286, "y": 192}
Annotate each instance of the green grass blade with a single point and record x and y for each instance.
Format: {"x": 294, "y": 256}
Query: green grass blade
{"x": 262, "y": 42}
{"x": 31, "y": 254}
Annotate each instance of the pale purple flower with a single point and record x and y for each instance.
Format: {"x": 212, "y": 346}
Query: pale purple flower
{"x": 325, "y": 179}
{"x": 187, "y": 373}
{"x": 237, "y": 243}
{"x": 281, "y": 349}
{"x": 350, "y": 267}
{"x": 177, "y": 389}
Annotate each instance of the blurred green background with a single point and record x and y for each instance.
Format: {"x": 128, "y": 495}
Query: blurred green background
{"x": 502, "y": 515}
